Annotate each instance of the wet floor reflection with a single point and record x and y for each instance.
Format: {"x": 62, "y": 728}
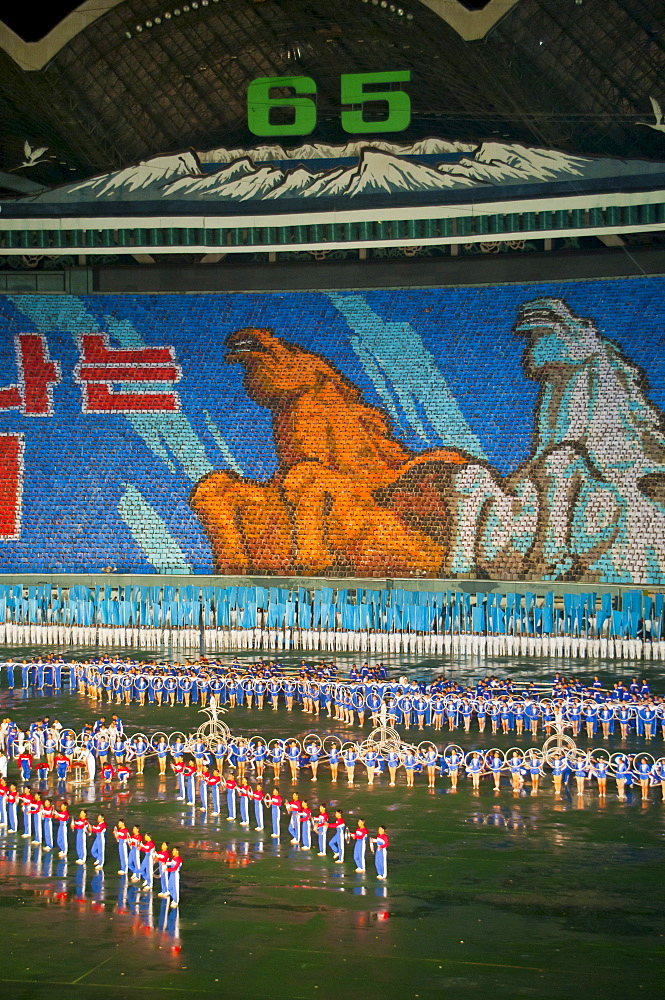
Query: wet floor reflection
{"x": 38, "y": 875}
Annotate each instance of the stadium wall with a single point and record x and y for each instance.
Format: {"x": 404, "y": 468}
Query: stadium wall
{"x": 506, "y": 433}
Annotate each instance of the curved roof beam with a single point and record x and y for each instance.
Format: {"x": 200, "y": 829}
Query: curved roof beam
{"x": 35, "y": 55}
{"x": 470, "y": 24}
{"x": 32, "y": 56}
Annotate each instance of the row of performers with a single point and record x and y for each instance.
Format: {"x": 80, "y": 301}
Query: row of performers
{"x": 423, "y": 644}
{"x": 47, "y": 824}
{"x": 396, "y": 704}
{"x": 209, "y": 777}
{"x": 624, "y": 769}
{"x": 54, "y": 671}
{"x": 504, "y": 715}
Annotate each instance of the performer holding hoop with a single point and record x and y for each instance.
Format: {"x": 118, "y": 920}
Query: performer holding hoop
{"x": 622, "y": 775}
{"x": 495, "y": 764}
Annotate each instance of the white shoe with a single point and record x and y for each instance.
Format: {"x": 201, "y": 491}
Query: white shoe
{"x": 173, "y": 905}
{"x": 321, "y": 854}
{"x": 80, "y": 861}
{"x": 122, "y": 873}
{"x": 339, "y": 862}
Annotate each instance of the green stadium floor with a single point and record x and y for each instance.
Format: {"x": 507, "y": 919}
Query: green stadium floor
{"x": 487, "y": 896}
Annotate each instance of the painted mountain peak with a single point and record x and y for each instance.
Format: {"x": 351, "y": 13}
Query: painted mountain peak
{"x": 357, "y": 170}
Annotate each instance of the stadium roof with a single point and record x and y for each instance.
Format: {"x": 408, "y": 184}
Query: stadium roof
{"x": 120, "y": 80}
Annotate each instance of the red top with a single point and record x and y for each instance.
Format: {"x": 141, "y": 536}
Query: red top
{"x": 48, "y": 812}
{"x": 360, "y": 833}
{"x": 276, "y": 799}
{"x": 121, "y": 834}
{"x": 257, "y": 795}
{"x": 336, "y": 823}
{"x": 293, "y": 805}
{"x": 189, "y": 770}
{"x": 25, "y": 756}
{"x": 134, "y": 840}
{"x": 244, "y": 791}
{"x": 25, "y": 798}
{"x": 98, "y": 827}
{"x": 212, "y": 779}
{"x": 305, "y": 815}
{"x": 34, "y": 806}
{"x": 79, "y": 823}
{"x": 382, "y": 841}
{"x": 62, "y": 815}
{"x": 178, "y": 766}
{"x": 162, "y": 856}
{"x": 230, "y": 784}
{"x": 147, "y": 846}
{"x": 321, "y": 819}
{"x": 174, "y": 864}
{"x": 11, "y": 796}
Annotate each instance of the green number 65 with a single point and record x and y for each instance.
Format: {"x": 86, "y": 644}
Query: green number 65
{"x": 357, "y": 89}
{"x": 260, "y": 104}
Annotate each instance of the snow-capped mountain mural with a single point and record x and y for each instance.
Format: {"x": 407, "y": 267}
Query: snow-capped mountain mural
{"x": 355, "y": 172}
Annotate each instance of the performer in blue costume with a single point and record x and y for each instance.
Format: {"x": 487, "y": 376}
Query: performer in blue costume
{"x": 338, "y": 839}
{"x": 381, "y": 853}
{"x": 360, "y": 836}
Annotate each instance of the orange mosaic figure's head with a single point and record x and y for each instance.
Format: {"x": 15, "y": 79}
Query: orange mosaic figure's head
{"x": 276, "y": 370}
{"x": 318, "y": 413}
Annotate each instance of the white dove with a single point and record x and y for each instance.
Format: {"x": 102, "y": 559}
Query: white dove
{"x": 659, "y": 124}
{"x": 32, "y": 156}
